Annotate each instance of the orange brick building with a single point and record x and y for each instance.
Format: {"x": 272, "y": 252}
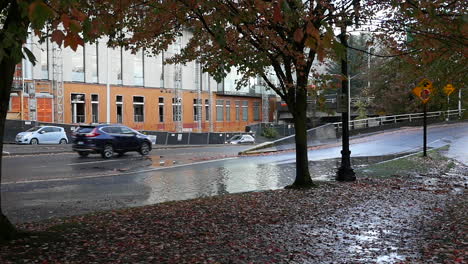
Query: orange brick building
{"x": 97, "y": 84}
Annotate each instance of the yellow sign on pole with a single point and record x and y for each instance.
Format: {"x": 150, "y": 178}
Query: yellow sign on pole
{"x": 425, "y": 84}
{"x": 423, "y": 90}
{"x": 423, "y": 94}
{"x": 448, "y": 89}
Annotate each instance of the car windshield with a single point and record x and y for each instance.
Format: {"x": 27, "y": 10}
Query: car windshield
{"x": 236, "y": 137}
{"x": 85, "y": 129}
{"x": 32, "y": 129}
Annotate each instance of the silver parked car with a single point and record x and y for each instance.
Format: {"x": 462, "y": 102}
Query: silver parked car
{"x": 241, "y": 139}
{"x": 43, "y": 135}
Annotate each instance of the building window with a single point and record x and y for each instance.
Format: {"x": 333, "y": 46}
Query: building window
{"x": 256, "y": 111}
{"x": 138, "y": 108}
{"x": 161, "y": 109}
{"x": 78, "y": 108}
{"x": 116, "y": 60}
{"x": 228, "y": 110}
{"x": 138, "y": 64}
{"x": 92, "y": 54}
{"x": 77, "y": 64}
{"x": 207, "y": 110}
{"x": 237, "y": 110}
{"x": 245, "y": 110}
{"x": 197, "y": 104}
{"x": 219, "y": 110}
{"x": 177, "y": 109}
{"x": 45, "y": 60}
{"x": 95, "y": 108}
{"x": 119, "y": 110}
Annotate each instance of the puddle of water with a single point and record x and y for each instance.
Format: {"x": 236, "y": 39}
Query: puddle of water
{"x": 159, "y": 162}
{"x": 391, "y": 258}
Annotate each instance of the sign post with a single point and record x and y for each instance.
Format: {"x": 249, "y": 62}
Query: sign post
{"x": 448, "y": 89}
{"x": 424, "y": 91}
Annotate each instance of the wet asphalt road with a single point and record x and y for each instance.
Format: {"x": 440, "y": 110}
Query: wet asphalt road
{"x": 43, "y": 186}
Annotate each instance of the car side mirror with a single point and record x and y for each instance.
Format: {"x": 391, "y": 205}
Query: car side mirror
{"x": 42, "y": 132}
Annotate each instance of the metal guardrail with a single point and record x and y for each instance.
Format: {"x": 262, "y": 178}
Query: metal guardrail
{"x": 383, "y": 120}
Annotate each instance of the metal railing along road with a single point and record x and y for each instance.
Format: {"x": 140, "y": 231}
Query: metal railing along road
{"x": 384, "y": 120}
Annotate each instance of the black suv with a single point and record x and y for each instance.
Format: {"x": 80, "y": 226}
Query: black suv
{"x": 109, "y": 139}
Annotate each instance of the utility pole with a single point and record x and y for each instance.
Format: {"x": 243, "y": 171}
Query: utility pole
{"x": 345, "y": 172}
{"x": 177, "y": 87}
{"x": 107, "y": 86}
{"x": 459, "y": 103}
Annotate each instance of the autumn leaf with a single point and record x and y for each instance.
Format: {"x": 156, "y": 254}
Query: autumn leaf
{"x": 277, "y": 16}
{"x": 57, "y": 36}
{"x": 298, "y": 35}
{"x": 39, "y": 13}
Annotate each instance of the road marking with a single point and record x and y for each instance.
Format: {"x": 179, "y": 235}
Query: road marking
{"x": 117, "y": 174}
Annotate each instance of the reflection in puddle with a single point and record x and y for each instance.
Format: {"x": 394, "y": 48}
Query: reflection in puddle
{"x": 241, "y": 175}
{"x": 205, "y": 180}
{"x": 160, "y": 161}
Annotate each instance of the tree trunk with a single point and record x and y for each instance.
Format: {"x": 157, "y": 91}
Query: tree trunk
{"x": 303, "y": 179}
{"x": 7, "y": 68}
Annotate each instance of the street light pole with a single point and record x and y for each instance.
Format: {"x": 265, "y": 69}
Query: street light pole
{"x": 345, "y": 172}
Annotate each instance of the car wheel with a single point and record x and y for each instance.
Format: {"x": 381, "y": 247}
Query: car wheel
{"x": 107, "y": 152}
{"x": 144, "y": 149}
{"x": 63, "y": 141}
{"x": 83, "y": 154}
{"x": 34, "y": 141}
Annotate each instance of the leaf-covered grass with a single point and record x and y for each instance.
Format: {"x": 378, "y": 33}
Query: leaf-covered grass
{"x": 407, "y": 165}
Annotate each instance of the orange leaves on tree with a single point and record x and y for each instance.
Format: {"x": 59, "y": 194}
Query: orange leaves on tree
{"x": 298, "y": 35}
{"x": 73, "y": 40}
{"x": 65, "y": 20}
{"x": 39, "y": 13}
{"x": 277, "y": 16}
{"x": 78, "y": 15}
{"x": 57, "y": 36}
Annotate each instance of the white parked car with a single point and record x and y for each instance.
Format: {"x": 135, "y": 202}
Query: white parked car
{"x": 241, "y": 139}
{"x": 42, "y": 135}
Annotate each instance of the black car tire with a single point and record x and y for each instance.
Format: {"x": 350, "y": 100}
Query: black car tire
{"x": 83, "y": 154}
{"x": 144, "y": 149}
{"x": 107, "y": 152}
{"x": 63, "y": 141}
{"x": 34, "y": 141}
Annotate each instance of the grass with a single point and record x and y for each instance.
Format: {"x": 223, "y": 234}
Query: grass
{"x": 413, "y": 164}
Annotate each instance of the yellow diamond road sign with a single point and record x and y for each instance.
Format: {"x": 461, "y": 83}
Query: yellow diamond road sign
{"x": 425, "y": 84}
{"x": 448, "y": 89}
{"x": 422, "y": 93}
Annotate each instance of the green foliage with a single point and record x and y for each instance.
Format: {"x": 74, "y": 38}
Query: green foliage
{"x": 362, "y": 108}
{"x": 270, "y": 132}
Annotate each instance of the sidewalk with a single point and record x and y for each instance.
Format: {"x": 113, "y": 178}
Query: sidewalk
{"x": 405, "y": 211}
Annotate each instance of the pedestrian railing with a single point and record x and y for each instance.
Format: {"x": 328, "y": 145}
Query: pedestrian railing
{"x": 384, "y": 120}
